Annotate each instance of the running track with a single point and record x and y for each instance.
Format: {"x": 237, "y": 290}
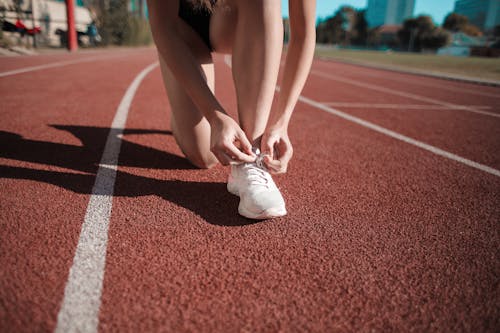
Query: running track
{"x": 393, "y": 197}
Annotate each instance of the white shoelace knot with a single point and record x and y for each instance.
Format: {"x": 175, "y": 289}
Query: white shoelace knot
{"x": 257, "y": 173}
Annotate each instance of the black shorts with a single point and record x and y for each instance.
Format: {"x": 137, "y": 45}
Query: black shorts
{"x": 198, "y": 19}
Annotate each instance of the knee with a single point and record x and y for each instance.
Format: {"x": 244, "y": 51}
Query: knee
{"x": 199, "y": 157}
{"x": 202, "y": 162}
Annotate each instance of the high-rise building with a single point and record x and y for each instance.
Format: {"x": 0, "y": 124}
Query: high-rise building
{"x": 383, "y": 12}
{"x": 485, "y": 14}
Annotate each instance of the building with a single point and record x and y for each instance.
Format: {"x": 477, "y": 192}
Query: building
{"x": 462, "y": 45}
{"x": 388, "y": 12}
{"x": 485, "y": 14}
{"x": 49, "y": 16}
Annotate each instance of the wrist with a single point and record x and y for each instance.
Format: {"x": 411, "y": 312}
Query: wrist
{"x": 278, "y": 120}
{"x": 278, "y": 125}
{"x": 214, "y": 117}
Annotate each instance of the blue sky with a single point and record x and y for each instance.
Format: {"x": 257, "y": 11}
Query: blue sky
{"x": 438, "y": 9}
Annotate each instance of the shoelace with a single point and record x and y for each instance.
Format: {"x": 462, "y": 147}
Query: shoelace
{"x": 257, "y": 174}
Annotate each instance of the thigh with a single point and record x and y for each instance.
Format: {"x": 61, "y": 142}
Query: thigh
{"x": 190, "y": 128}
{"x": 223, "y": 26}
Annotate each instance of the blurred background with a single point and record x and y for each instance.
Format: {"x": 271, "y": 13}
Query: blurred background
{"x": 346, "y": 29}
{"x": 43, "y": 23}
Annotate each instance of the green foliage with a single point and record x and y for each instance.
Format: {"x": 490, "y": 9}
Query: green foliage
{"x": 138, "y": 33}
{"x": 118, "y": 27}
{"x": 455, "y": 22}
{"x": 329, "y": 31}
{"x": 114, "y": 23}
{"x": 346, "y": 26}
{"x": 421, "y": 33}
{"x": 496, "y": 31}
{"x": 434, "y": 39}
{"x": 360, "y": 33}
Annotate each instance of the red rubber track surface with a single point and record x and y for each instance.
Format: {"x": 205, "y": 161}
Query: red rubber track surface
{"x": 380, "y": 236}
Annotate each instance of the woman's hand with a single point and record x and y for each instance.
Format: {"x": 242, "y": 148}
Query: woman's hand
{"x": 278, "y": 149}
{"x": 228, "y": 142}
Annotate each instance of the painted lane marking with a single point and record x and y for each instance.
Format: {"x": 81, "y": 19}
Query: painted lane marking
{"x": 400, "y": 137}
{"x": 403, "y": 94}
{"x": 418, "y": 82}
{"x": 57, "y": 64}
{"x": 399, "y": 106}
{"x": 228, "y": 60}
{"x": 82, "y": 296}
{"x": 388, "y": 132}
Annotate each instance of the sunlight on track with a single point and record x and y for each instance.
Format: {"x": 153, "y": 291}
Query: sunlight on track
{"x": 441, "y": 86}
{"x": 395, "y": 135}
{"x": 56, "y": 64}
{"x": 401, "y": 106}
{"x": 403, "y": 94}
{"x": 400, "y": 137}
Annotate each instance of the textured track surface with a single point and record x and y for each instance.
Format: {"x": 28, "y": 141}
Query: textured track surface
{"x": 381, "y": 234}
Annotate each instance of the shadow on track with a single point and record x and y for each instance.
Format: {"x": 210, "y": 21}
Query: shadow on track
{"x": 86, "y": 157}
{"x": 210, "y": 201}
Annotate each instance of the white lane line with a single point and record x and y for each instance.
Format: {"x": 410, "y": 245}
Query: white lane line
{"x": 403, "y": 94}
{"x": 408, "y": 80}
{"x": 228, "y": 60}
{"x": 57, "y": 64}
{"x": 400, "y": 137}
{"x": 82, "y": 296}
{"x": 388, "y": 132}
{"x": 399, "y": 106}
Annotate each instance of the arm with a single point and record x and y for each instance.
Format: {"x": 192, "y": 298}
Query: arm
{"x": 166, "y": 28}
{"x": 179, "y": 58}
{"x": 298, "y": 63}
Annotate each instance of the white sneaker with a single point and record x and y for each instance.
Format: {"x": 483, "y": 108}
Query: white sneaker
{"x": 260, "y": 198}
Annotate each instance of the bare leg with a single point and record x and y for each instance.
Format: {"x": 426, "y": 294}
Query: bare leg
{"x": 253, "y": 32}
{"x": 191, "y": 130}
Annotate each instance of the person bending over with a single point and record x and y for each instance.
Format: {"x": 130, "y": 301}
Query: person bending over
{"x": 186, "y": 32}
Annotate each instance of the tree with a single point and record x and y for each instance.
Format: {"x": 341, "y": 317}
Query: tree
{"x": 360, "y": 29}
{"x": 413, "y": 28}
{"x": 435, "y": 39}
{"x": 346, "y": 26}
{"x": 116, "y": 25}
{"x": 455, "y": 22}
{"x": 330, "y": 30}
{"x": 459, "y": 23}
{"x": 421, "y": 33}
{"x": 472, "y": 30}
{"x": 496, "y": 31}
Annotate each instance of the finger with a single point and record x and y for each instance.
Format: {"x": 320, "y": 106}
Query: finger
{"x": 237, "y": 154}
{"x": 285, "y": 159}
{"x": 245, "y": 143}
{"x": 286, "y": 155}
{"x": 275, "y": 166}
{"x": 268, "y": 146}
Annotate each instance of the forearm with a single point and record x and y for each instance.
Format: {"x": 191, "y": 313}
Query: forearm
{"x": 189, "y": 74}
{"x": 179, "y": 57}
{"x": 297, "y": 66}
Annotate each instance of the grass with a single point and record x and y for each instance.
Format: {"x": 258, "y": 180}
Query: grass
{"x": 475, "y": 67}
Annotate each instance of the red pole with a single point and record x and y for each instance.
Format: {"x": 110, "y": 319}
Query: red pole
{"x": 70, "y": 14}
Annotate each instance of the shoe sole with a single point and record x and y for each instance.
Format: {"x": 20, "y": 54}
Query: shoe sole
{"x": 264, "y": 215}
{"x": 232, "y": 190}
